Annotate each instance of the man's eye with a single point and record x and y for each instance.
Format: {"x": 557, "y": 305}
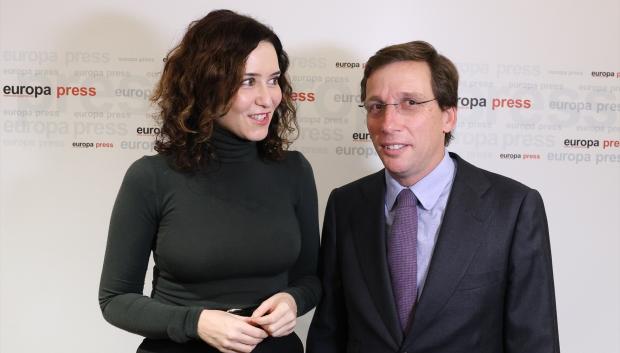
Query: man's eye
{"x": 376, "y": 106}
{"x": 411, "y": 102}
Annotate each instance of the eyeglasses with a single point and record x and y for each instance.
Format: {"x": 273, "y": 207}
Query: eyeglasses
{"x": 405, "y": 106}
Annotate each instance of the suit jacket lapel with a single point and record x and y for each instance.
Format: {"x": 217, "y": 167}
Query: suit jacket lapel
{"x": 369, "y": 239}
{"x": 459, "y": 237}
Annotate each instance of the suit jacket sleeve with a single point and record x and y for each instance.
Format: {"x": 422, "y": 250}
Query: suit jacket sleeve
{"x": 328, "y": 331}
{"x": 530, "y": 314}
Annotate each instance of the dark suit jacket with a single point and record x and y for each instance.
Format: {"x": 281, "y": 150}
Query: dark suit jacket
{"x": 489, "y": 286}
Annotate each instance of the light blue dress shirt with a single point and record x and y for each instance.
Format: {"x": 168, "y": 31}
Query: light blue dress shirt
{"x": 432, "y": 193}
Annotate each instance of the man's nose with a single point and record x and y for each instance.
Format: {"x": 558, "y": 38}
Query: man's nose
{"x": 391, "y": 118}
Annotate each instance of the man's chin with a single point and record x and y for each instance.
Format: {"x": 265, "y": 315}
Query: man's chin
{"x": 395, "y": 170}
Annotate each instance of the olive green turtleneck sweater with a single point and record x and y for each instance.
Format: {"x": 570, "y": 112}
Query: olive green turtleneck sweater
{"x": 230, "y": 236}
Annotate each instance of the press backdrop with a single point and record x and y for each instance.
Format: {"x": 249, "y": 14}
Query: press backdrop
{"x": 539, "y": 102}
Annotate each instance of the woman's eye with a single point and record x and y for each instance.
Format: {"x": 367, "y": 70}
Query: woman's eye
{"x": 248, "y": 82}
{"x": 274, "y": 81}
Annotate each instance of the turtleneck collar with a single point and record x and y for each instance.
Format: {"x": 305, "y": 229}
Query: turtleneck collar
{"x": 230, "y": 148}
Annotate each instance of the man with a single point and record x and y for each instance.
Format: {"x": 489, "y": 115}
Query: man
{"x": 431, "y": 254}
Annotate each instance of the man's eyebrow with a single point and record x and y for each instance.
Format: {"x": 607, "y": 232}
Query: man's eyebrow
{"x": 400, "y": 95}
{"x": 374, "y": 99}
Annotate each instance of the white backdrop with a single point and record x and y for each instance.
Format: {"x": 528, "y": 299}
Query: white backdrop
{"x": 63, "y": 153}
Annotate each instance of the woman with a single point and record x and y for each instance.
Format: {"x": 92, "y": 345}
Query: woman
{"x": 229, "y": 215}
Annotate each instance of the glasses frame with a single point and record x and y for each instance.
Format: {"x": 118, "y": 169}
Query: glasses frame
{"x": 397, "y": 106}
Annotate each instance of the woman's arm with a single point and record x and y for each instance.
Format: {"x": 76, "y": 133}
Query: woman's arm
{"x": 132, "y": 234}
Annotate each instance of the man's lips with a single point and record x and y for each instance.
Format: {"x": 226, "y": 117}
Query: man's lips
{"x": 393, "y": 146}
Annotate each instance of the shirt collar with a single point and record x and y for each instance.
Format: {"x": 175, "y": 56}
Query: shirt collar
{"x": 428, "y": 189}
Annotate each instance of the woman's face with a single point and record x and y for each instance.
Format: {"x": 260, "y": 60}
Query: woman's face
{"x": 257, "y": 98}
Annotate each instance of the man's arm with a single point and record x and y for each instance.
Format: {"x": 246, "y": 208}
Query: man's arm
{"x": 530, "y": 320}
{"x": 328, "y": 331}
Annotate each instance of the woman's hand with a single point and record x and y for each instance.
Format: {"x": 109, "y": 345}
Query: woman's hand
{"x": 277, "y": 315}
{"x": 229, "y": 333}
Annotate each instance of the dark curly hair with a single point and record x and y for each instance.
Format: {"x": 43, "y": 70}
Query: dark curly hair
{"x": 444, "y": 75}
{"x": 199, "y": 81}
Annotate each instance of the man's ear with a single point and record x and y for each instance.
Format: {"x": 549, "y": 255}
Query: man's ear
{"x": 448, "y": 118}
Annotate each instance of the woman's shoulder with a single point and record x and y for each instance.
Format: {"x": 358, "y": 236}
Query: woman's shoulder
{"x": 150, "y": 162}
{"x": 298, "y": 164}
{"x": 296, "y": 159}
{"x": 148, "y": 167}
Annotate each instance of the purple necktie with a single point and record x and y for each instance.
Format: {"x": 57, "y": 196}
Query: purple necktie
{"x": 402, "y": 256}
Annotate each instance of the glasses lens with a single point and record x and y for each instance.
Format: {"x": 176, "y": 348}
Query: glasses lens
{"x": 407, "y": 105}
{"x": 374, "y": 108}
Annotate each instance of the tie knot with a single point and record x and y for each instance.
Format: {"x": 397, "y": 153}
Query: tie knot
{"x": 405, "y": 198}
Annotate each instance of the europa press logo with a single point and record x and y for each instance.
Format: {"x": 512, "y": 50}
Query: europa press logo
{"x": 349, "y": 65}
{"x": 34, "y": 91}
{"x": 606, "y": 74}
{"x": 496, "y": 103}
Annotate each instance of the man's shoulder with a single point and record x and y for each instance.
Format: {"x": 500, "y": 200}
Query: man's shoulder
{"x": 371, "y": 180}
{"x": 359, "y": 195}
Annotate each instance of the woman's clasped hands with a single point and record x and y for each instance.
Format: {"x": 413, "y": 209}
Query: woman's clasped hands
{"x": 230, "y": 333}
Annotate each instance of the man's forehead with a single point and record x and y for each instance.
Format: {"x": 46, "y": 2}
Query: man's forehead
{"x": 413, "y": 65}
{"x": 400, "y": 79}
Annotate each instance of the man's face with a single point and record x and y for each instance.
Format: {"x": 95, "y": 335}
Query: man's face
{"x": 409, "y": 143}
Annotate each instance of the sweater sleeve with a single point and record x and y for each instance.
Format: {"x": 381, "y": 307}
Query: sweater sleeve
{"x": 132, "y": 234}
{"x": 304, "y": 284}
